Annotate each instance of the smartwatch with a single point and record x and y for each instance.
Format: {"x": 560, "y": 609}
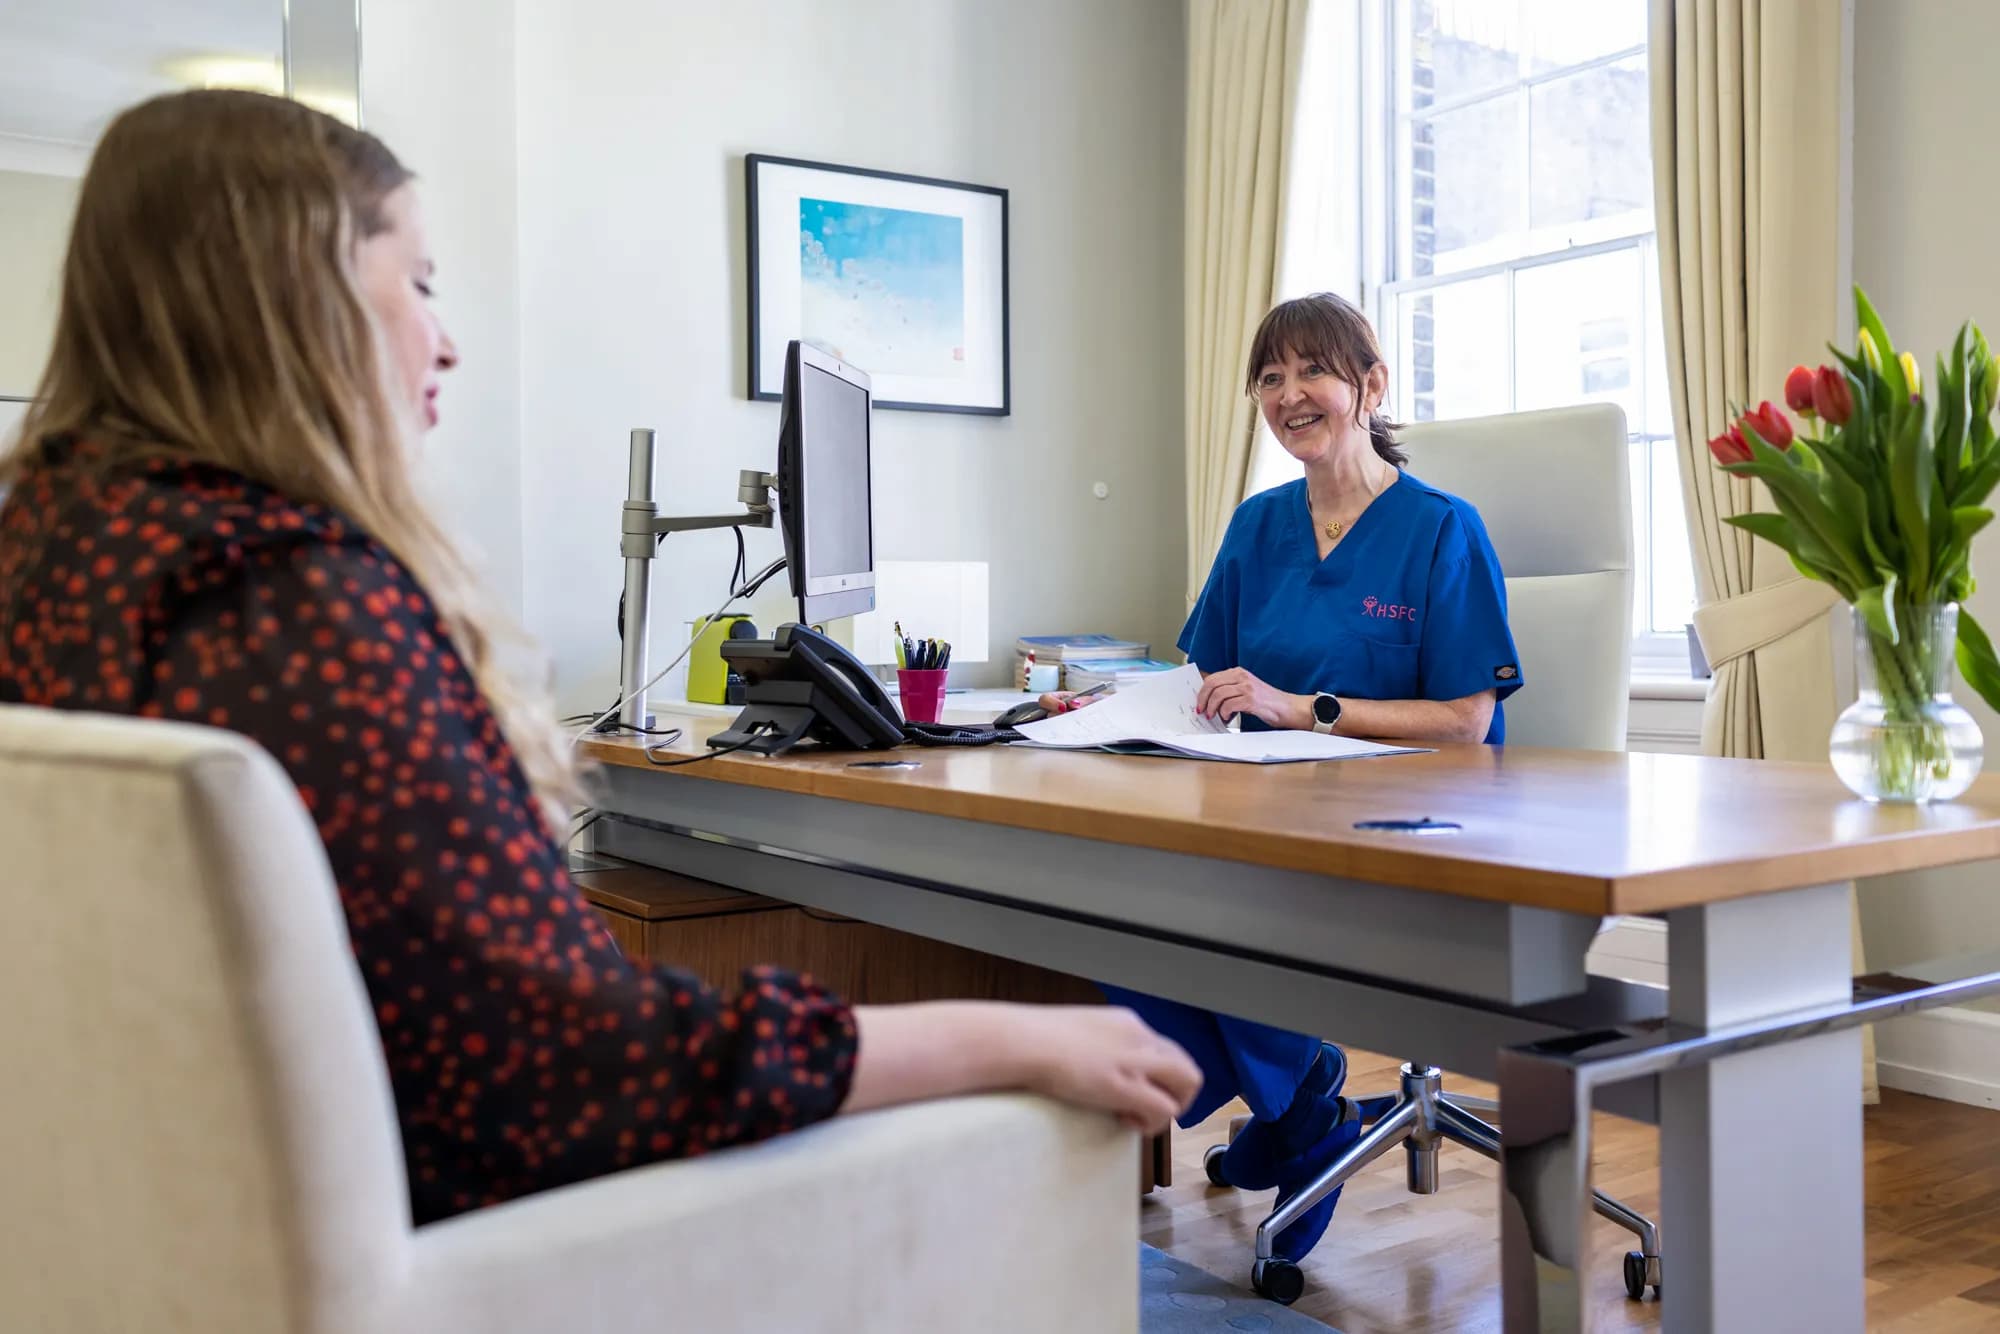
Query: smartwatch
{"x": 1326, "y": 712}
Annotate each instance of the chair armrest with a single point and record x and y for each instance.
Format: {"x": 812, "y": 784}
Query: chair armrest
{"x": 1000, "y": 1211}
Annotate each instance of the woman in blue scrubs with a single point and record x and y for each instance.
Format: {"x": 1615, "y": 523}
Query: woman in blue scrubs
{"x": 1355, "y": 600}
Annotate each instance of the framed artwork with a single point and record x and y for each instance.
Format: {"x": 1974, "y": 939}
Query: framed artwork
{"x": 902, "y": 276}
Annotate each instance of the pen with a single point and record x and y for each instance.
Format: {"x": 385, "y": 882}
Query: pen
{"x": 1097, "y": 689}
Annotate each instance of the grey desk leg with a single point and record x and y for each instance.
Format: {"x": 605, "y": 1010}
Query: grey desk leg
{"x": 1760, "y": 1141}
{"x": 1544, "y": 1196}
{"x": 1760, "y": 1152}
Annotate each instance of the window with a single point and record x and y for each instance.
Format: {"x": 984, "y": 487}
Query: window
{"x": 1506, "y": 179}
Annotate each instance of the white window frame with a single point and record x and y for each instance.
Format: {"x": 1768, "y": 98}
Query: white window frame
{"x": 1655, "y": 655}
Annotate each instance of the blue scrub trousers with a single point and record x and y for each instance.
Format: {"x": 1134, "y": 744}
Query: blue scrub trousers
{"x": 1262, "y": 1065}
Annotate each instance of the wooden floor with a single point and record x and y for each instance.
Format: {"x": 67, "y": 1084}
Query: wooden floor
{"x": 1407, "y": 1264}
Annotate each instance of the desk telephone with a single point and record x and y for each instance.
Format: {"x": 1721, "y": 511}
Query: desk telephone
{"x": 802, "y": 686}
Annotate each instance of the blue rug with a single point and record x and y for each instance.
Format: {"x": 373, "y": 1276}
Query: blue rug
{"x": 1177, "y": 1298}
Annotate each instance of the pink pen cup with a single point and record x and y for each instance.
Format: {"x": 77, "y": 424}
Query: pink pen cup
{"x": 923, "y": 693}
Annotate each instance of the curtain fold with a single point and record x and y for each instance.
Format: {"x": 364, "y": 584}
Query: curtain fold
{"x": 1746, "y": 107}
{"x": 1243, "y": 74}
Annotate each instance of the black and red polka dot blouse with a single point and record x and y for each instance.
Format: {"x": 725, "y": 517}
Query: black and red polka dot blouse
{"x": 524, "y": 1049}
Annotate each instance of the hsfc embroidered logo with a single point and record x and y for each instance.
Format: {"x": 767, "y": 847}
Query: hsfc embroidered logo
{"x": 1390, "y": 611}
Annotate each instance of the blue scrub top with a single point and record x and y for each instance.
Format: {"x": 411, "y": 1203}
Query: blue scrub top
{"x": 1409, "y": 605}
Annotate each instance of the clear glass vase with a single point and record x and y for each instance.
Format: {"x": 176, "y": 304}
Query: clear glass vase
{"x": 1905, "y": 739}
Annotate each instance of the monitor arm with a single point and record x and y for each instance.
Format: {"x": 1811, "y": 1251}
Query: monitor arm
{"x": 639, "y": 533}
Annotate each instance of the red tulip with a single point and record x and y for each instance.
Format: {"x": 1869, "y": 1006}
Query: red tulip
{"x": 1771, "y": 425}
{"x": 1831, "y": 397}
{"x": 1799, "y": 391}
{"x": 1730, "y": 447}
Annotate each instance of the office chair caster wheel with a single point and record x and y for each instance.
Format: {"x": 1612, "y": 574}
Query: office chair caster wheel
{"x": 1211, "y": 1163}
{"x": 1638, "y": 1274}
{"x": 1278, "y": 1279}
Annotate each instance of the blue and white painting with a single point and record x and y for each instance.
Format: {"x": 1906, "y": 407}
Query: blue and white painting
{"x": 883, "y": 288}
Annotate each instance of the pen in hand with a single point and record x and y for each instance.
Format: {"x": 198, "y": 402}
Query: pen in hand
{"x": 1071, "y": 703}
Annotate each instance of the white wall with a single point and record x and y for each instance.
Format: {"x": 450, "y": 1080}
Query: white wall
{"x": 35, "y": 213}
{"x": 1923, "y": 249}
{"x": 438, "y": 85}
{"x": 634, "y": 118}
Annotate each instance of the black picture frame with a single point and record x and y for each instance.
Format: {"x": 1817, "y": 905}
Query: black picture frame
{"x": 989, "y": 345}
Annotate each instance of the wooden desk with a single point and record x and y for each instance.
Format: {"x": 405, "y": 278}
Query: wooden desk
{"x": 1248, "y": 890}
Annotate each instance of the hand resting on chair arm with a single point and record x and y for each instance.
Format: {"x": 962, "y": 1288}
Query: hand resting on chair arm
{"x": 1091, "y": 1055}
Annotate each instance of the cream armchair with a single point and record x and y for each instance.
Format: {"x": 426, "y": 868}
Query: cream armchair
{"x": 196, "y": 1130}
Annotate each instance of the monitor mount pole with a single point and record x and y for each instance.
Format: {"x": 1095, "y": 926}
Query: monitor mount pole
{"x": 639, "y": 533}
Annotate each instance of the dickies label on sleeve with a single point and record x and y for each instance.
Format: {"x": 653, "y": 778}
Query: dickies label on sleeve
{"x": 1506, "y": 673}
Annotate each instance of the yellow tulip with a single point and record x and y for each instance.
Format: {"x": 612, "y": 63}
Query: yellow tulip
{"x": 1869, "y": 354}
{"x": 1910, "y": 374}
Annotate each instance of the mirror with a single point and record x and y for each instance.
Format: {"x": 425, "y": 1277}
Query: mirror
{"x": 68, "y": 66}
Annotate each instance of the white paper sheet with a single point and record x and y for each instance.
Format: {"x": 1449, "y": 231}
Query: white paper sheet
{"x": 1157, "y": 713}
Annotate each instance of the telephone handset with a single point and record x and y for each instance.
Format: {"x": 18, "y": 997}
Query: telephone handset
{"x": 802, "y": 685}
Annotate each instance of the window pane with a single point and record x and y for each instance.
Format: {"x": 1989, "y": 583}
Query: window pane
{"x": 1451, "y": 351}
{"x": 1459, "y": 48}
{"x": 1672, "y": 564}
{"x": 1591, "y": 155}
{"x": 1579, "y": 333}
{"x": 1475, "y": 191}
{"x": 1569, "y": 32}
{"x": 1659, "y": 409}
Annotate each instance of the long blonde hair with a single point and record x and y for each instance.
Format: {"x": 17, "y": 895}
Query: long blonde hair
{"x": 210, "y": 310}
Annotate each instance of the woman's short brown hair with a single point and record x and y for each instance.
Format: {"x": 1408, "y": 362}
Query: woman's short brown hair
{"x": 1326, "y": 328}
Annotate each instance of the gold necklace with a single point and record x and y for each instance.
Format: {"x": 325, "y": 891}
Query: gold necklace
{"x": 1334, "y": 527}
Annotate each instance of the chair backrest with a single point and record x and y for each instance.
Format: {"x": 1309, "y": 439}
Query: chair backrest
{"x": 196, "y": 1128}
{"x": 1554, "y": 489}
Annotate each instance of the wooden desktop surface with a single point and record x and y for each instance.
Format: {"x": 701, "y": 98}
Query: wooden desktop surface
{"x": 1581, "y": 831}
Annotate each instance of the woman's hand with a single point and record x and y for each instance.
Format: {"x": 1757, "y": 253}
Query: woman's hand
{"x": 1104, "y": 1056}
{"x": 1062, "y": 701}
{"x": 1098, "y": 1056}
{"x": 1227, "y": 694}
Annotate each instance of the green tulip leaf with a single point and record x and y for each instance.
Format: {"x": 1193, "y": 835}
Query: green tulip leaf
{"x": 1909, "y": 493}
{"x": 1976, "y": 662}
{"x": 1877, "y": 606}
{"x": 1795, "y": 496}
{"x": 1892, "y": 371}
{"x": 1773, "y": 528}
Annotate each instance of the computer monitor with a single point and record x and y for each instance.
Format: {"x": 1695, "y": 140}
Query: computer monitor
{"x": 824, "y": 489}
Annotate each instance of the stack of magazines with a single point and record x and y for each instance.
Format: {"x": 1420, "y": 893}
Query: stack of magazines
{"x": 1118, "y": 671}
{"x": 1088, "y": 660}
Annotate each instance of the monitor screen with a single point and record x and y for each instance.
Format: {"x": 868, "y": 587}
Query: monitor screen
{"x": 823, "y": 469}
{"x": 839, "y": 536}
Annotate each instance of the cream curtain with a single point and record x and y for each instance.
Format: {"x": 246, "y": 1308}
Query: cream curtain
{"x": 1244, "y": 62}
{"x": 1746, "y": 176}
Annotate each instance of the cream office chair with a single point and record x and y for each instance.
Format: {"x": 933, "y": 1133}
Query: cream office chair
{"x": 197, "y": 1131}
{"x": 1554, "y": 490}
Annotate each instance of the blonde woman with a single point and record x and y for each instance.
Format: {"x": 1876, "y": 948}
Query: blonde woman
{"x": 212, "y": 519}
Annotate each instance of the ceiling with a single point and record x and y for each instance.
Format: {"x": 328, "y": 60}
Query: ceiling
{"x": 68, "y": 66}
